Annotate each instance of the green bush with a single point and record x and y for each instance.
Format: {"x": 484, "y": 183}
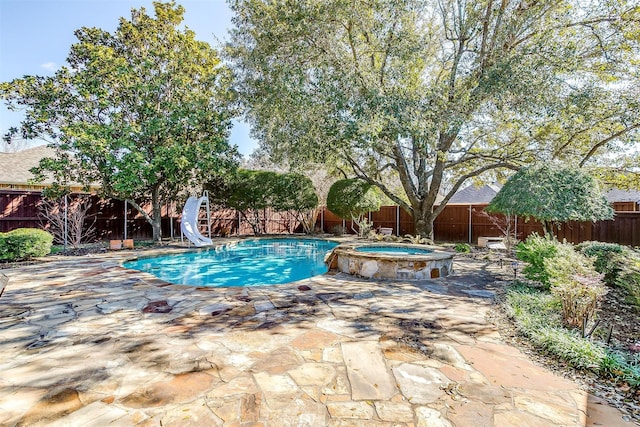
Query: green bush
{"x": 337, "y": 230}
{"x": 24, "y": 243}
{"x": 463, "y": 248}
{"x": 619, "y": 264}
{"x": 628, "y": 278}
{"x": 534, "y": 251}
{"x": 606, "y": 255}
{"x": 565, "y": 264}
{"x": 536, "y": 315}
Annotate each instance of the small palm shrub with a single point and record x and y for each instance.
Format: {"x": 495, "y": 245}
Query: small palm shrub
{"x": 462, "y": 248}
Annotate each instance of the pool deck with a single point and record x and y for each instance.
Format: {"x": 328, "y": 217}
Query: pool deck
{"x": 85, "y": 342}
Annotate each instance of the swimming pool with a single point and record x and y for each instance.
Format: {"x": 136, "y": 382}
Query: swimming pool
{"x": 256, "y": 262}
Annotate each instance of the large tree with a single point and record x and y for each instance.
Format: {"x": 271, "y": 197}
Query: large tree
{"x": 143, "y": 112}
{"x": 438, "y": 92}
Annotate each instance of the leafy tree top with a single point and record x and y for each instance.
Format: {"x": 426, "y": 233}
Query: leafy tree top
{"x": 144, "y": 112}
{"x": 351, "y": 198}
{"x": 257, "y": 189}
{"x": 432, "y": 94}
{"x": 552, "y": 193}
{"x": 145, "y": 108}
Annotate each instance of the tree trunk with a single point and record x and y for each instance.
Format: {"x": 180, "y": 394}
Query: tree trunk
{"x": 547, "y": 227}
{"x": 423, "y": 218}
{"x": 156, "y": 218}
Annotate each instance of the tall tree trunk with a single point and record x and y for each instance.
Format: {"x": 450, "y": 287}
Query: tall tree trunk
{"x": 423, "y": 218}
{"x": 156, "y": 219}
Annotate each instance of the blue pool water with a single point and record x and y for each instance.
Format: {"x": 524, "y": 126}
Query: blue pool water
{"x": 249, "y": 263}
{"x": 393, "y": 250}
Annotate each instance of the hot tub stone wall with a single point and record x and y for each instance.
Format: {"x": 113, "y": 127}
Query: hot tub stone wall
{"x": 381, "y": 268}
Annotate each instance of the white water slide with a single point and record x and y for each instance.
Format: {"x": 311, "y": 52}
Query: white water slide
{"x": 189, "y": 224}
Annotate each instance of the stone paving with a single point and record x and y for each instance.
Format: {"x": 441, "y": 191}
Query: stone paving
{"x": 85, "y": 342}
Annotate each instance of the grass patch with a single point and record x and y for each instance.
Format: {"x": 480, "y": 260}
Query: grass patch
{"x": 537, "y": 315}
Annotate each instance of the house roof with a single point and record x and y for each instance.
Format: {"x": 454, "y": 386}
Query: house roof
{"x": 617, "y": 195}
{"x": 472, "y": 194}
{"x": 14, "y": 167}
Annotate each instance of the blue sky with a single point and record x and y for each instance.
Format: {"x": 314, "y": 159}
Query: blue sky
{"x": 35, "y": 37}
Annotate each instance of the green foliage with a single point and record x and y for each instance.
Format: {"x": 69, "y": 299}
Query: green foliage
{"x": 24, "y": 243}
{"x": 252, "y": 192}
{"x": 619, "y": 264}
{"x": 536, "y": 315}
{"x": 534, "y": 251}
{"x": 604, "y": 255}
{"x": 293, "y": 192}
{"x": 629, "y": 279}
{"x": 146, "y": 110}
{"x": 337, "y": 230}
{"x": 623, "y": 367}
{"x": 463, "y": 248}
{"x": 552, "y": 193}
{"x": 422, "y": 93}
{"x": 351, "y": 198}
{"x": 565, "y": 263}
{"x": 569, "y": 275}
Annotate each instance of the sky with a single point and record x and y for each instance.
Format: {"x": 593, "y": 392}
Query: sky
{"x": 35, "y": 37}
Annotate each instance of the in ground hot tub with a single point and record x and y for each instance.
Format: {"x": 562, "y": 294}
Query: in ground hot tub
{"x": 391, "y": 261}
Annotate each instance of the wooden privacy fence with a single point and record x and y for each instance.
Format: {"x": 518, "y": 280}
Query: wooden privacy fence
{"x": 465, "y": 223}
{"x": 19, "y": 209}
{"x": 456, "y": 223}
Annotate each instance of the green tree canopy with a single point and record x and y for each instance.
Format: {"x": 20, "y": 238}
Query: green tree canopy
{"x": 252, "y": 192}
{"x": 552, "y": 194}
{"x": 435, "y": 93}
{"x": 352, "y": 198}
{"x": 143, "y": 112}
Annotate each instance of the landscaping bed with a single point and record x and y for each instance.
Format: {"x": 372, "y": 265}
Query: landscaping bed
{"x": 598, "y": 348}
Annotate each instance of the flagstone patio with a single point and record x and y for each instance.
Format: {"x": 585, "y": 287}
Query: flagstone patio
{"x": 85, "y": 342}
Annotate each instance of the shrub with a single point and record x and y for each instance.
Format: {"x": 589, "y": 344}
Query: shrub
{"x": 606, "y": 258}
{"x": 579, "y": 297}
{"x": 619, "y": 264}
{"x": 463, "y": 248}
{"x": 534, "y": 251}
{"x": 337, "y": 230}
{"x": 575, "y": 283}
{"x": 24, "y": 243}
{"x": 628, "y": 278}
{"x": 565, "y": 264}
{"x": 536, "y": 316}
